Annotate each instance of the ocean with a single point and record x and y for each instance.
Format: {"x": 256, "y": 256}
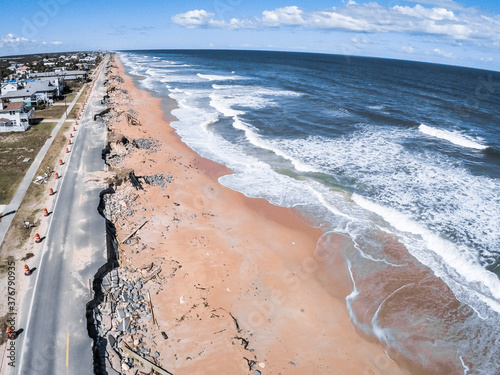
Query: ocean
{"x": 402, "y": 158}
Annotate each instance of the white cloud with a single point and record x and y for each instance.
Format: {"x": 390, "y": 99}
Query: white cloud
{"x": 202, "y": 18}
{"x": 233, "y": 24}
{"x": 487, "y": 59}
{"x": 419, "y": 11}
{"x": 459, "y": 24}
{"x": 359, "y": 40}
{"x": 289, "y": 16}
{"x": 450, "y": 4}
{"x": 193, "y": 18}
{"x": 408, "y": 49}
{"x": 438, "y": 52}
{"x": 10, "y": 40}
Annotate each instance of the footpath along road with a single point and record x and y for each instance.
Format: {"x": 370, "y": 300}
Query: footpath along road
{"x": 10, "y": 209}
{"x": 55, "y": 338}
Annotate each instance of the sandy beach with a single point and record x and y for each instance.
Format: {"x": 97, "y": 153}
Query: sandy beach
{"x": 244, "y": 285}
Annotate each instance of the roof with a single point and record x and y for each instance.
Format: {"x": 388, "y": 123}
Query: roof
{"x": 15, "y": 106}
{"x": 64, "y": 73}
{"x": 30, "y": 89}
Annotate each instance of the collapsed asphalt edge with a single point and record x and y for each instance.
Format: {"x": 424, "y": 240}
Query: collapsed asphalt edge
{"x": 92, "y": 308}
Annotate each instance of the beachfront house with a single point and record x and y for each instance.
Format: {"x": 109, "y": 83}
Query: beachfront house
{"x": 15, "y": 116}
{"x": 22, "y": 71}
{"x": 7, "y": 86}
{"x": 34, "y": 92}
{"x": 67, "y": 75}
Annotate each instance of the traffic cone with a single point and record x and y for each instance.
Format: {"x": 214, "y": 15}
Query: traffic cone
{"x": 37, "y": 238}
{"x": 57, "y": 175}
{"x": 71, "y": 135}
{"x": 27, "y": 270}
{"x": 51, "y": 192}
{"x": 74, "y": 129}
{"x": 67, "y": 151}
{"x": 69, "y": 141}
{"x": 60, "y": 162}
{"x": 11, "y": 334}
{"x": 45, "y": 212}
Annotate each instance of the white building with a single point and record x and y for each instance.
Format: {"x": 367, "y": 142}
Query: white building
{"x": 15, "y": 117}
{"x": 34, "y": 92}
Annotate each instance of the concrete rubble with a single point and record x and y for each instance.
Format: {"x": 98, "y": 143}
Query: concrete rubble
{"x": 126, "y": 318}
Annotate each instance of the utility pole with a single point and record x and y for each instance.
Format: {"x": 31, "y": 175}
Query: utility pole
{"x": 65, "y": 105}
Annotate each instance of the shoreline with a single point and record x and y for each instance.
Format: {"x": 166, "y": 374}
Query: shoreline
{"x": 248, "y": 288}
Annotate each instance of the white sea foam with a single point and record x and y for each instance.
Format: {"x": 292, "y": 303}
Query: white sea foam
{"x": 451, "y": 136}
{"x": 223, "y": 105}
{"x": 214, "y": 77}
{"x": 376, "y": 107}
{"x": 464, "y": 264}
{"x": 237, "y": 90}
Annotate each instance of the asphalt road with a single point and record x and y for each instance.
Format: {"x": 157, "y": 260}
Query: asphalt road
{"x": 55, "y": 339}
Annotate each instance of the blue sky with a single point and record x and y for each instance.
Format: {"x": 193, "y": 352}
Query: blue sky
{"x": 462, "y": 32}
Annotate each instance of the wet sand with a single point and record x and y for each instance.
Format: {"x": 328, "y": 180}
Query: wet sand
{"x": 244, "y": 285}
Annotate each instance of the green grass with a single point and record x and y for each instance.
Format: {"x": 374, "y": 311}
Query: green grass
{"x": 74, "y": 112}
{"x": 83, "y": 96}
{"x": 74, "y": 91}
{"x": 53, "y": 112}
{"x": 14, "y": 148}
{"x": 30, "y": 207}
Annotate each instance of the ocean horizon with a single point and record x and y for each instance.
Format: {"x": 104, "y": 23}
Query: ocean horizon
{"x": 381, "y": 151}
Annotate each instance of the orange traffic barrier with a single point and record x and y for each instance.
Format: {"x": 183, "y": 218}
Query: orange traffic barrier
{"x": 70, "y": 135}
{"x": 37, "y": 238}
{"x": 74, "y": 129}
{"x": 45, "y": 212}
{"x": 57, "y": 175}
{"x": 67, "y": 151}
{"x": 60, "y": 162}
{"x": 11, "y": 334}
{"x": 69, "y": 141}
{"x": 27, "y": 270}
{"x": 51, "y": 192}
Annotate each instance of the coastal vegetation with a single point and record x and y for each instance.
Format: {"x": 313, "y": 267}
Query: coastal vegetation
{"x": 17, "y": 151}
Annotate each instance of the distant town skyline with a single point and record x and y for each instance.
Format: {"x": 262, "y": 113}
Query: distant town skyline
{"x": 464, "y": 33}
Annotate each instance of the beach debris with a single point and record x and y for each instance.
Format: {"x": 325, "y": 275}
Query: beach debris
{"x": 152, "y": 311}
{"x": 250, "y": 362}
{"x": 118, "y": 79}
{"x": 132, "y": 120}
{"x": 149, "y": 365}
{"x": 41, "y": 179}
{"x": 152, "y": 274}
{"x": 244, "y": 341}
{"x": 145, "y": 143}
{"x": 158, "y": 179}
{"x": 134, "y": 232}
{"x": 135, "y": 182}
{"x": 101, "y": 114}
{"x": 236, "y": 323}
